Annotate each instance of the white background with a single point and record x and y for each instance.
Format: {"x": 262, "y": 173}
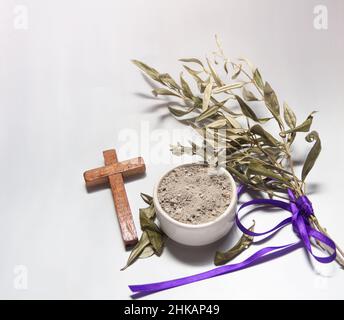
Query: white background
{"x": 67, "y": 91}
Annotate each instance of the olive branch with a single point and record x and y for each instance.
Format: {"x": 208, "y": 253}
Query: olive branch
{"x": 224, "y": 110}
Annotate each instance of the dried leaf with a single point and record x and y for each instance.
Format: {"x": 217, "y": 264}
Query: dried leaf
{"x": 291, "y": 138}
{"x": 217, "y": 124}
{"x": 137, "y": 250}
{"x": 266, "y": 136}
{"x": 241, "y": 177}
{"x": 237, "y": 72}
{"x": 152, "y": 73}
{"x": 272, "y": 166}
{"x": 258, "y": 80}
{"x": 169, "y": 81}
{"x": 214, "y": 75}
{"x": 271, "y": 101}
{"x": 156, "y": 240}
{"x": 152, "y": 236}
{"x": 244, "y": 243}
{"x": 257, "y": 168}
{"x": 146, "y": 198}
{"x": 185, "y": 87}
{"x": 147, "y": 216}
{"x": 312, "y": 155}
{"x": 232, "y": 121}
{"x": 195, "y": 75}
{"x": 229, "y": 111}
{"x": 178, "y": 112}
{"x": 147, "y": 223}
{"x": 207, "y": 95}
{"x": 289, "y": 116}
{"x": 264, "y": 120}
{"x": 228, "y": 87}
{"x": 225, "y": 66}
{"x": 303, "y": 127}
{"x": 193, "y": 60}
{"x": 248, "y": 95}
{"x": 246, "y": 110}
{"x": 192, "y": 72}
{"x": 148, "y": 212}
{"x": 147, "y": 252}
{"x": 249, "y": 63}
{"x": 207, "y": 113}
{"x": 164, "y": 92}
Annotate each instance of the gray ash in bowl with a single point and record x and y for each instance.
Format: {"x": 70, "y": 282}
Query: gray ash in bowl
{"x": 194, "y": 194}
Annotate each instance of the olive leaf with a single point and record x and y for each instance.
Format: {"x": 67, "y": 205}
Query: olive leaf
{"x": 238, "y": 174}
{"x": 137, "y": 250}
{"x": 232, "y": 122}
{"x": 228, "y": 87}
{"x": 244, "y": 243}
{"x": 146, "y": 198}
{"x": 263, "y": 120}
{"x": 164, "y": 92}
{"x": 207, "y": 113}
{"x": 216, "y": 78}
{"x": 152, "y": 236}
{"x": 185, "y": 87}
{"x": 148, "y": 212}
{"x": 192, "y": 72}
{"x": 217, "y": 124}
{"x": 156, "y": 240}
{"x": 246, "y": 110}
{"x": 169, "y": 81}
{"x": 312, "y": 155}
{"x": 207, "y": 95}
{"x": 147, "y": 252}
{"x": 258, "y": 80}
{"x": 229, "y": 111}
{"x": 266, "y": 136}
{"x": 271, "y": 101}
{"x": 289, "y": 116}
{"x": 291, "y": 138}
{"x": 194, "y": 60}
{"x": 146, "y": 221}
{"x": 177, "y": 112}
{"x": 236, "y": 73}
{"x": 256, "y": 167}
{"x": 249, "y": 63}
{"x": 303, "y": 127}
{"x": 154, "y": 233}
{"x": 248, "y": 95}
{"x": 152, "y": 73}
{"x": 195, "y": 75}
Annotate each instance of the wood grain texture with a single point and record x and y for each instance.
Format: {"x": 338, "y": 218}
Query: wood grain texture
{"x": 127, "y": 168}
{"x": 124, "y": 215}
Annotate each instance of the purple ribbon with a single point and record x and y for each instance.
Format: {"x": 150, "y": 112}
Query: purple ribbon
{"x": 301, "y": 210}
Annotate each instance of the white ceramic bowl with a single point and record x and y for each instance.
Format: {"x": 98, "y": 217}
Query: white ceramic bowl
{"x": 200, "y": 234}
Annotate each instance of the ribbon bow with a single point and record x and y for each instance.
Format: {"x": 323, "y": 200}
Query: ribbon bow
{"x": 301, "y": 211}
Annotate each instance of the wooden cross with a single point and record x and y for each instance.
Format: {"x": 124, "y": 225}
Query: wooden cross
{"x": 113, "y": 172}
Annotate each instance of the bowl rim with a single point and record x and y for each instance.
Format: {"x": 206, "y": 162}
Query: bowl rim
{"x": 222, "y": 216}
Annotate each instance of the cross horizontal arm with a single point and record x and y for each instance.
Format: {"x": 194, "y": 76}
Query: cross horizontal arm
{"x": 127, "y": 168}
